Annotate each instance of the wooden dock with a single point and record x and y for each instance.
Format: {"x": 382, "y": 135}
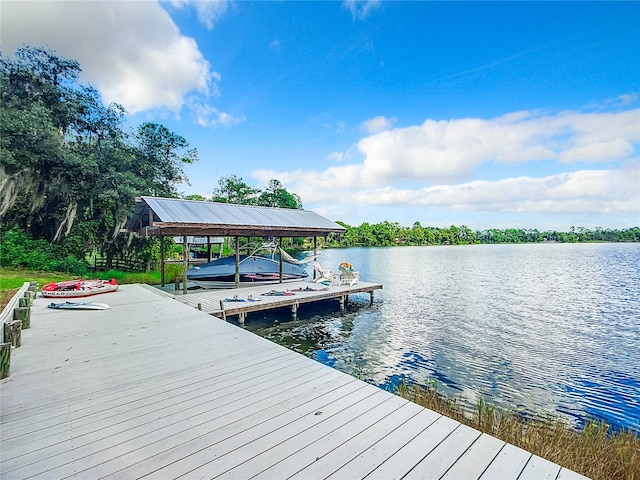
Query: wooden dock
{"x": 154, "y": 388}
{"x": 221, "y": 303}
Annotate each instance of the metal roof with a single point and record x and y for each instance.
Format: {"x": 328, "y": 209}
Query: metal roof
{"x": 169, "y": 216}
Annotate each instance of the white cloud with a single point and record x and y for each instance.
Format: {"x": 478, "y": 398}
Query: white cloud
{"x": 377, "y": 124}
{"x": 336, "y": 156}
{"x": 583, "y": 191}
{"x": 209, "y": 116}
{"x": 131, "y": 51}
{"x": 209, "y": 11}
{"x": 451, "y": 151}
{"x": 440, "y": 160}
{"x": 360, "y": 9}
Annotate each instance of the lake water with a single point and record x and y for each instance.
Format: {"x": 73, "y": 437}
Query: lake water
{"x": 544, "y": 328}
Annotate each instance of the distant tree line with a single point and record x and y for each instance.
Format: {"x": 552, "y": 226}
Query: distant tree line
{"x": 386, "y": 234}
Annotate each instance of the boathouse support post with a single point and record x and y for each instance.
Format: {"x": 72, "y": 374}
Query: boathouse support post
{"x": 162, "y": 258}
{"x": 208, "y": 248}
{"x": 5, "y": 359}
{"x": 315, "y": 252}
{"x": 280, "y": 262}
{"x": 185, "y": 263}
{"x": 237, "y": 261}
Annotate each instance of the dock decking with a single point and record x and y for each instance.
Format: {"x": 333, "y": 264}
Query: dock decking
{"x": 154, "y": 388}
{"x": 213, "y": 301}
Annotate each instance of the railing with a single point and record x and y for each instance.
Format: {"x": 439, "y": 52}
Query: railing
{"x": 126, "y": 264}
{"x": 7, "y": 312}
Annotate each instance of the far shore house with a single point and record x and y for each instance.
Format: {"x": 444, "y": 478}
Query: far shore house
{"x": 156, "y": 216}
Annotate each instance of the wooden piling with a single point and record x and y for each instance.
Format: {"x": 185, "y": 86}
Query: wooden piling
{"x": 23, "y": 314}
{"x": 224, "y": 314}
{"x": 343, "y": 299}
{"x": 13, "y": 333}
{"x": 29, "y": 295}
{"x": 5, "y": 360}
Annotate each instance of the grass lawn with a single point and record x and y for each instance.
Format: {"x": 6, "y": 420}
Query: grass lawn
{"x": 12, "y": 279}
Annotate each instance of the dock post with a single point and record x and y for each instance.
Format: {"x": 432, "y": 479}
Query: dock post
{"x": 241, "y": 318}
{"x": 29, "y": 295}
{"x": 224, "y": 314}
{"x": 23, "y": 314}
{"x": 343, "y": 301}
{"x": 5, "y": 359}
{"x": 371, "y": 298}
{"x": 294, "y": 312}
{"x": 13, "y": 333}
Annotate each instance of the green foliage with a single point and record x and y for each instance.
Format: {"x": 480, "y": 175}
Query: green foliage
{"x": 18, "y": 250}
{"x": 171, "y": 272}
{"x": 233, "y": 189}
{"x": 387, "y": 234}
{"x": 70, "y": 172}
{"x": 277, "y": 196}
{"x": 124, "y": 278}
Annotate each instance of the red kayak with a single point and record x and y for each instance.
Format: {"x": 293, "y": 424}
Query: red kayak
{"x": 78, "y": 288}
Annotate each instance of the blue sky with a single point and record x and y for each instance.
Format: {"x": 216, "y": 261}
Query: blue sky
{"x": 502, "y": 114}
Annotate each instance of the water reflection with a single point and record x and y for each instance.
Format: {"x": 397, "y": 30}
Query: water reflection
{"x": 540, "y": 328}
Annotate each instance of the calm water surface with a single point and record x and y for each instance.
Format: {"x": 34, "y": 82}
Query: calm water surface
{"x": 550, "y": 328}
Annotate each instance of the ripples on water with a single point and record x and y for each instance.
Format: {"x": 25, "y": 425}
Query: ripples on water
{"x": 546, "y": 328}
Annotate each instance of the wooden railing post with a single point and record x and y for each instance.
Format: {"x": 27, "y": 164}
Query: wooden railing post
{"x": 5, "y": 360}
{"x": 13, "y": 333}
{"x": 23, "y": 314}
{"x": 29, "y": 296}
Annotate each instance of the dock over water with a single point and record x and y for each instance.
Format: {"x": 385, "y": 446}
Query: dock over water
{"x": 155, "y": 388}
{"x": 221, "y": 303}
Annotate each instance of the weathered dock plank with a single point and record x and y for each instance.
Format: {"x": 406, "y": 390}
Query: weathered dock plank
{"x": 302, "y": 292}
{"x": 156, "y": 388}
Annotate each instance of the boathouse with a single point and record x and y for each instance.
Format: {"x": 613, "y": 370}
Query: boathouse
{"x": 156, "y": 216}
